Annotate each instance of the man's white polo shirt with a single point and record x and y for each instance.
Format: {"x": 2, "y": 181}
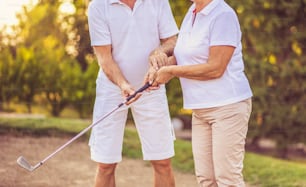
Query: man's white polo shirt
{"x": 217, "y": 24}
{"x": 133, "y": 34}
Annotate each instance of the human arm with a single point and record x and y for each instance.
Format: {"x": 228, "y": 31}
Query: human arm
{"x": 161, "y": 56}
{"x": 113, "y": 72}
{"x": 219, "y": 57}
{"x": 167, "y": 33}
{"x": 221, "y": 47}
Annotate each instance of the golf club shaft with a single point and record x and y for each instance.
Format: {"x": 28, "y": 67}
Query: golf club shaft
{"x": 78, "y": 135}
{"x": 92, "y": 125}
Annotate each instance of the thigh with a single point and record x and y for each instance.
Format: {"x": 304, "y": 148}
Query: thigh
{"x": 107, "y": 136}
{"x": 229, "y": 135}
{"x": 153, "y": 123}
{"x": 202, "y": 147}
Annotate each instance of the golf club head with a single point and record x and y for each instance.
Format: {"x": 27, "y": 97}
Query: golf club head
{"x": 25, "y": 164}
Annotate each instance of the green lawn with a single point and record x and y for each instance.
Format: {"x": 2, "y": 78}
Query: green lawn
{"x": 259, "y": 170}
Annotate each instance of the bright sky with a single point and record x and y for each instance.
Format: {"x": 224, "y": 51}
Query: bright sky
{"x": 9, "y": 8}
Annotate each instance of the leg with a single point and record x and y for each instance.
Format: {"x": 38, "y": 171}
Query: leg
{"x": 152, "y": 119}
{"x": 202, "y": 148}
{"x": 163, "y": 175}
{"x": 229, "y": 134}
{"x": 105, "y": 175}
{"x": 107, "y": 137}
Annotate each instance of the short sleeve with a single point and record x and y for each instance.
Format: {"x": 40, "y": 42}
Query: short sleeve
{"x": 98, "y": 27}
{"x": 225, "y": 30}
{"x": 167, "y": 25}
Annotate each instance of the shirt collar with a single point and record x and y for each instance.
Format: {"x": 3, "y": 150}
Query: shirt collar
{"x": 117, "y": 1}
{"x": 114, "y": 1}
{"x": 207, "y": 10}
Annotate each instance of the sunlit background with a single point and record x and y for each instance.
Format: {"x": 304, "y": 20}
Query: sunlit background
{"x": 48, "y": 73}
{"x": 9, "y": 9}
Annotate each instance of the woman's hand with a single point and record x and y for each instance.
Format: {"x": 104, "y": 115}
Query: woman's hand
{"x": 163, "y": 75}
{"x": 150, "y": 76}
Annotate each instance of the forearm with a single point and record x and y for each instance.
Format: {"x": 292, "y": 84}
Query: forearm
{"x": 159, "y": 56}
{"x": 202, "y": 72}
{"x": 167, "y": 46}
{"x": 214, "y": 68}
{"x": 109, "y": 66}
{"x": 113, "y": 73}
{"x": 197, "y": 72}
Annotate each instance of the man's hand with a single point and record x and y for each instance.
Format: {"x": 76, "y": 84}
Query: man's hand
{"x": 127, "y": 90}
{"x": 163, "y": 76}
{"x": 158, "y": 59}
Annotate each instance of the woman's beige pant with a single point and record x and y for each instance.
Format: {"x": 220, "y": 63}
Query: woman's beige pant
{"x": 218, "y": 144}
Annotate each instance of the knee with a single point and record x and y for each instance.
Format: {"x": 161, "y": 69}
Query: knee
{"x": 106, "y": 169}
{"x": 161, "y": 165}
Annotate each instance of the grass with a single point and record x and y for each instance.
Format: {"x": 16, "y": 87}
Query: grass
{"x": 270, "y": 172}
{"x": 42, "y": 127}
{"x": 259, "y": 170}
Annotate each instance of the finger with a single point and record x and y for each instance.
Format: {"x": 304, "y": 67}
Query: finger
{"x": 165, "y": 60}
{"x": 125, "y": 94}
{"x": 155, "y": 87}
{"x": 162, "y": 59}
{"x": 151, "y": 77}
{"x": 159, "y": 62}
{"x": 154, "y": 63}
{"x": 154, "y": 84}
{"x": 137, "y": 96}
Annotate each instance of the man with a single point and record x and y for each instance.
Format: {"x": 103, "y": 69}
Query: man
{"x": 131, "y": 40}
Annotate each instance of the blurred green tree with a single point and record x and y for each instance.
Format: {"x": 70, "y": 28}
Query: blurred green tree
{"x": 274, "y": 41}
{"x": 7, "y": 78}
{"x": 28, "y": 72}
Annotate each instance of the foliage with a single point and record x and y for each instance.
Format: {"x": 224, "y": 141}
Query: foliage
{"x": 274, "y": 49}
{"x": 49, "y": 57}
{"x": 179, "y": 9}
{"x": 44, "y": 64}
{"x": 81, "y": 35}
{"x": 28, "y": 73}
{"x": 7, "y": 77}
{"x": 174, "y": 94}
{"x": 85, "y": 94}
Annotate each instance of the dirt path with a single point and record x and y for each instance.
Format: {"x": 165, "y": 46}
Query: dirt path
{"x": 70, "y": 168}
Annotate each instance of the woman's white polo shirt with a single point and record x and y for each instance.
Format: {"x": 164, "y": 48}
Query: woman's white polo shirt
{"x": 217, "y": 24}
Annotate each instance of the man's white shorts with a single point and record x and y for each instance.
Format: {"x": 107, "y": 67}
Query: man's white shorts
{"x": 151, "y": 116}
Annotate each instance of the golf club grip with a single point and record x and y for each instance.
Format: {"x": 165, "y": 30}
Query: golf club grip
{"x": 147, "y": 85}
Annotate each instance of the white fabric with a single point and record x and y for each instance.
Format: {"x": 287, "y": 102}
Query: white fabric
{"x": 216, "y": 24}
{"x": 152, "y": 121}
{"x": 133, "y": 34}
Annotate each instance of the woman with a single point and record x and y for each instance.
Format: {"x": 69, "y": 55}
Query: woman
{"x": 208, "y": 55}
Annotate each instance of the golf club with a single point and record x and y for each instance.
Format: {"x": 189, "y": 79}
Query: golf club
{"x": 26, "y": 165}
